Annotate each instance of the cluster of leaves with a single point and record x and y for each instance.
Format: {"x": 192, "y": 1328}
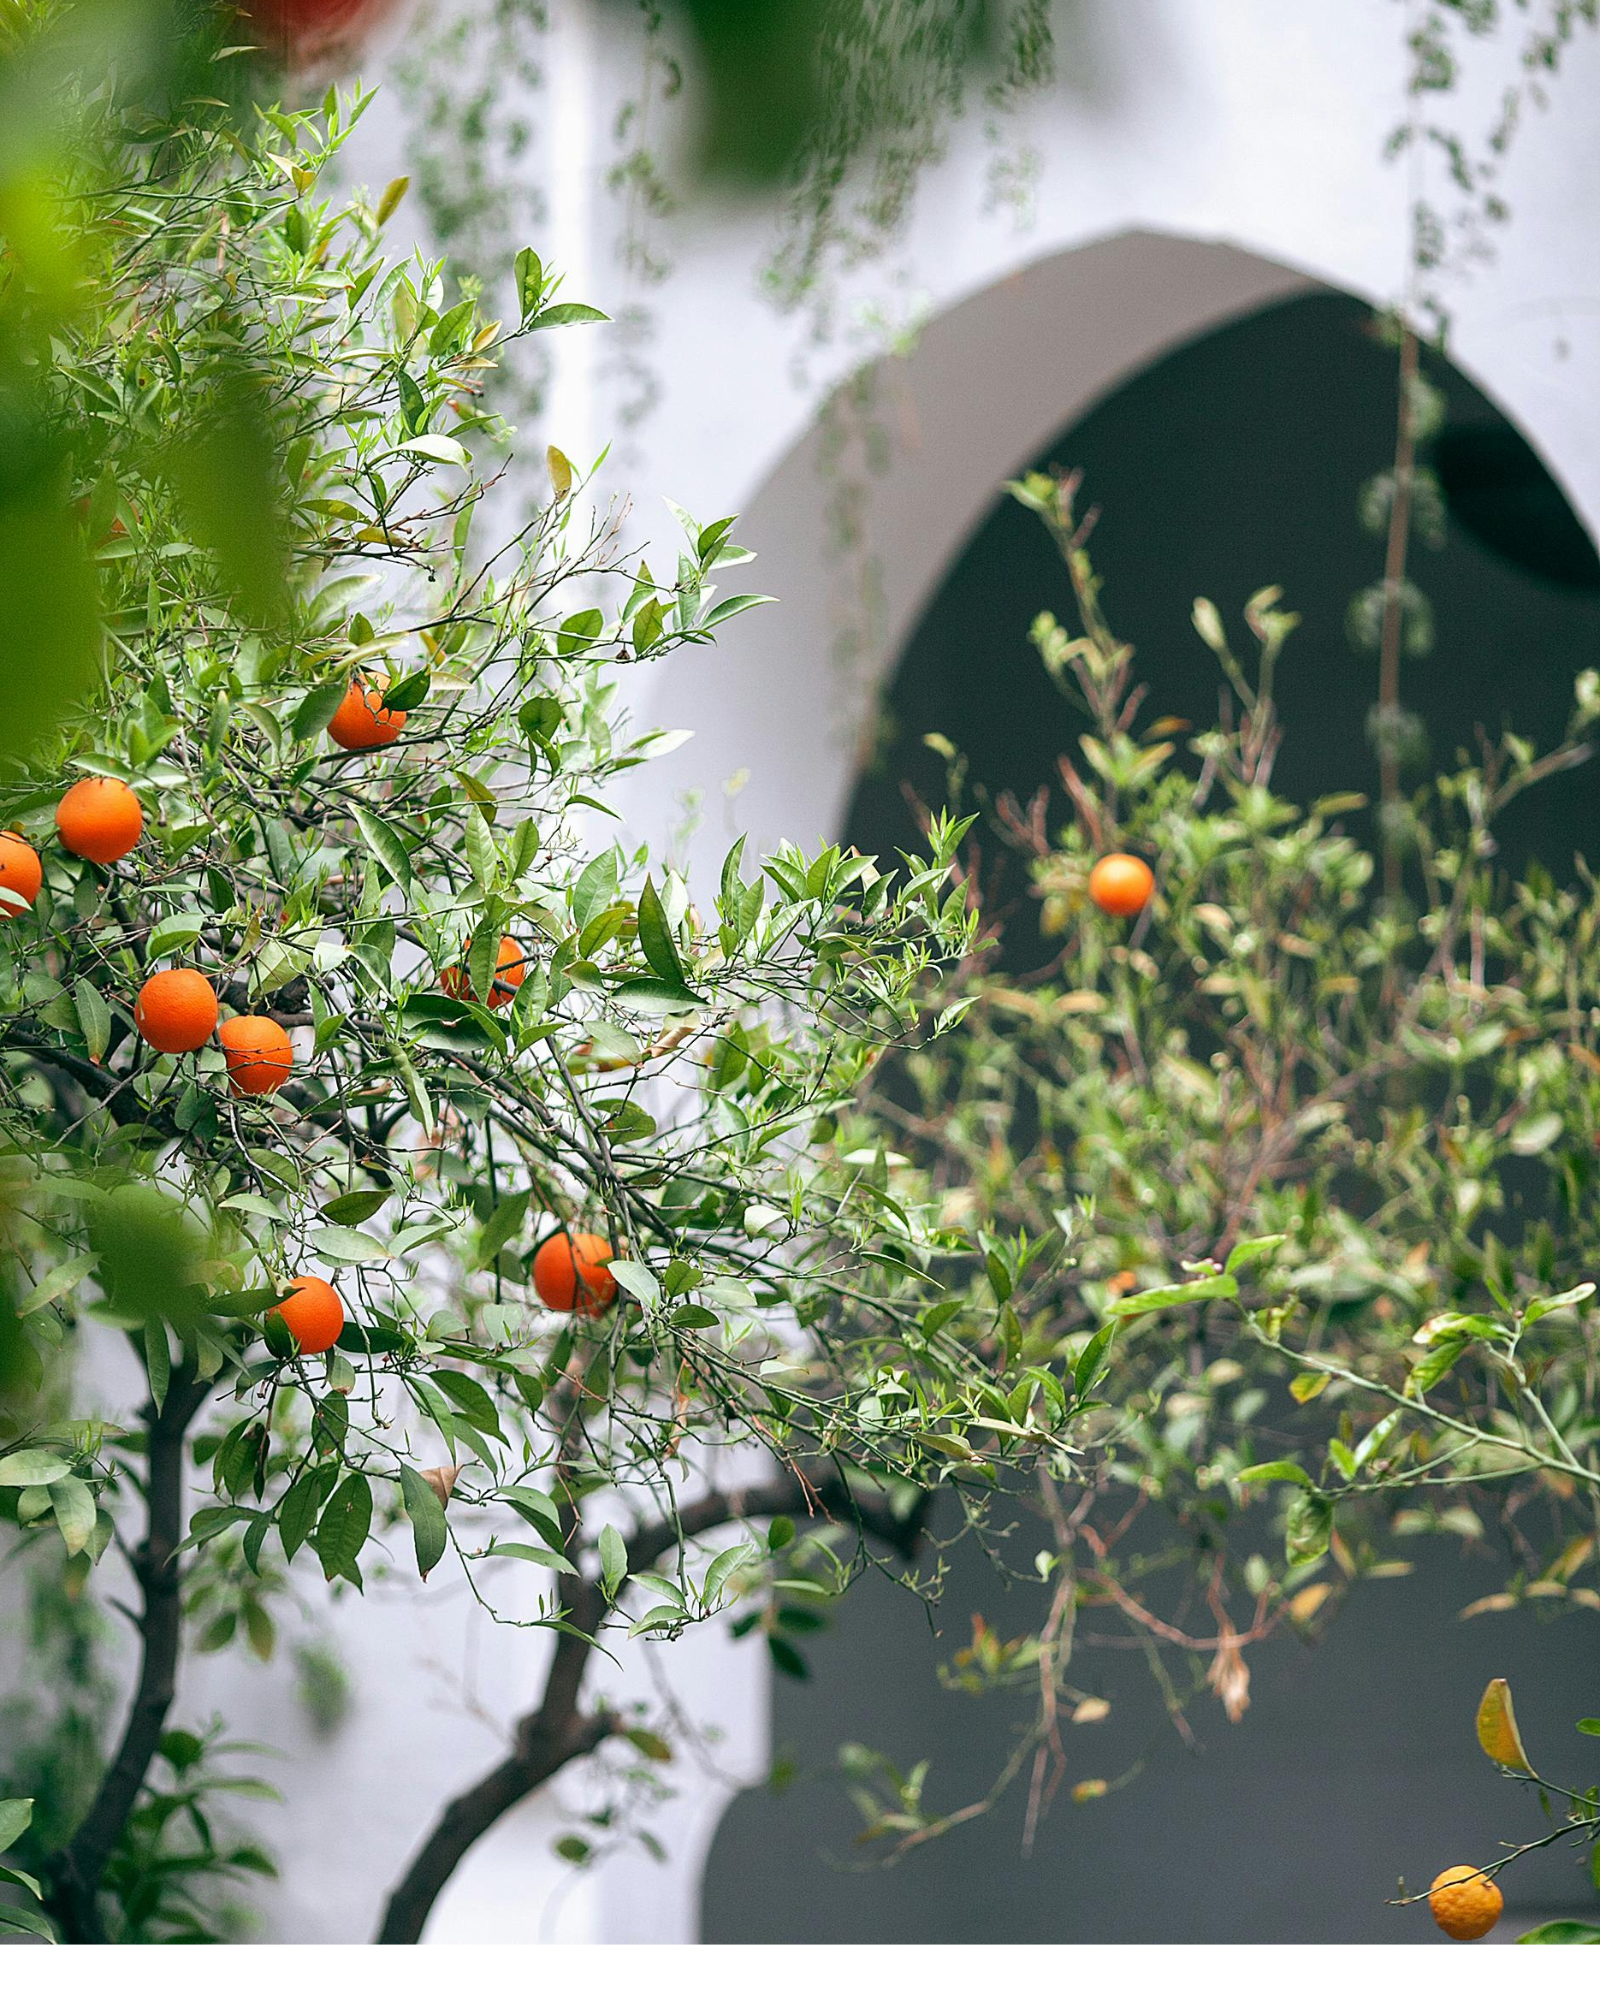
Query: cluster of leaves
{"x": 1304, "y": 1172}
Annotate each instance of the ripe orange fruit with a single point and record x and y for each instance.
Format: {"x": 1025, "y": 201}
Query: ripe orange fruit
{"x": 1465, "y": 1903}
{"x": 313, "y": 1313}
{"x": 1120, "y": 884}
{"x": 361, "y": 722}
{"x": 101, "y": 819}
{"x": 260, "y": 1054}
{"x": 570, "y": 1275}
{"x": 20, "y": 872}
{"x": 176, "y": 1011}
{"x": 511, "y": 968}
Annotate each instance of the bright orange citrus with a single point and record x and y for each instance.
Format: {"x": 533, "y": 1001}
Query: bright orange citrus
{"x": 176, "y": 1011}
{"x": 313, "y": 1313}
{"x": 20, "y": 872}
{"x": 260, "y": 1054}
{"x": 570, "y": 1275}
{"x": 361, "y": 722}
{"x": 1120, "y": 884}
{"x": 511, "y": 968}
{"x": 1465, "y": 1903}
{"x": 101, "y": 819}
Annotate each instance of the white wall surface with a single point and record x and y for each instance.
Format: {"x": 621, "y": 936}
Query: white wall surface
{"x": 1202, "y": 160}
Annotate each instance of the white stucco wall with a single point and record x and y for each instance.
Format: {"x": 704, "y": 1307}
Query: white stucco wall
{"x": 1221, "y": 157}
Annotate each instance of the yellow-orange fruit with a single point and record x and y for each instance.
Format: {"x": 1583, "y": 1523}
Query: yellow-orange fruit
{"x": 511, "y": 968}
{"x": 361, "y": 722}
{"x": 259, "y": 1052}
{"x": 20, "y": 872}
{"x": 1465, "y": 1903}
{"x": 313, "y": 1313}
{"x": 1120, "y": 884}
{"x": 570, "y": 1275}
{"x": 176, "y": 1011}
{"x": 101, "y": 819}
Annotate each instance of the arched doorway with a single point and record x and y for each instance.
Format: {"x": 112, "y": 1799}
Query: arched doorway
{"x": 1230, "y": 462}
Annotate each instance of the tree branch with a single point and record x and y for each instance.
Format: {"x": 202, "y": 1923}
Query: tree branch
{"x": 76, "y": 1871}
{"x": 555, "y": 1734}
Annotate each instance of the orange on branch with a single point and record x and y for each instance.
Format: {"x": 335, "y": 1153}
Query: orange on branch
{"x": 361, "y": 722}
{"x": 1120, "y": 884}
{"x": 20, "y": 872}
{"x": 176, "y": 1011}
{"x": 101, "y": 819}
{"x": 259, "y": 1052}
{"x": 570, "y": 1274}
{"x": 1465, "y": 1903}
{"x": 313, "y": 1313}
{"x": 511, "y": 968}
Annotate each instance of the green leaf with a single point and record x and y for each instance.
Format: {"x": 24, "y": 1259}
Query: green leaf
{"x": 355, "y": 1206}
{"x": 297, "y": 1515}
{"x": 1537, "y": 1308}
{"x": 656, "y": 940}
{"x": 33, "y": 1922}
{"x": 1253, "y": 1250}
{"x": 157, "y": 1361}
{"x": 16, "y": 1816}
{"x": 545, "y": 1558}
{"x": 347, "y": 1246}
{"x": 730, "y": 607}
{"x": 342, "y": 1532}
{"x": 436, "y": 446}
{"x": 498, "y": 1231}
{"x": 1564, "y": 1930}
{"x": 32, "y": 1468}
{"x": 1164, "y": 1296}
{"x": 657, "y": 996}
{"x": 529, "y": 274}
{"x": 317, "y": 710}
{"x": 740, "y": 1556}
{"x": 402, "y": 696}
{"x": 594, "y": 888}
{"x": 472, "y": 1399}
{"x": 613, "y": 1559}
{"x": 426, "y": 1511}
{"x": 567, "y": 315}
{"x": 1276, "y": 1468}
{"x": 94, "y": 1018}
{"x": 390, "y": 851}
{"x": 1590, "y": 1726}
{"x": 637, "y": 1279}
{"x": 171, "y": 935}
{"x": 74, "y": 1509}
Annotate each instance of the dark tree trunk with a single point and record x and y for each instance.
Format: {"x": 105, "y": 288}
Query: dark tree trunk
{"x": 76, "y": 1871}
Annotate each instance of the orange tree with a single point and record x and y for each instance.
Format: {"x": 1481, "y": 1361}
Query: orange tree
{"x": 1302, "y": 1171}
{"x": 449, "y": 1169}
